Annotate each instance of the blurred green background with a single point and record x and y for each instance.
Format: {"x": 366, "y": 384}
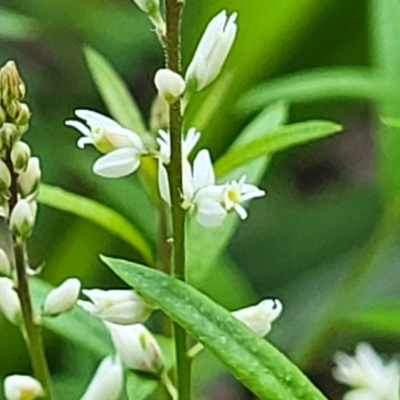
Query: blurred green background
{"x": 323, "y": 240}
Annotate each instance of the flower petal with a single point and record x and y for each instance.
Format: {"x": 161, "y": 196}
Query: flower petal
{"x": 203, "y": 171}
{"x": 93, "y": 117}
{"x": 118, "y": 163}
{"x": 210, "y": 213}
{"x": 78, "y": 125}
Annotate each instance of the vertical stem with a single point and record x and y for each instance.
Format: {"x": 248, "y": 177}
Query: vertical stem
{"x": 173, "y": 10}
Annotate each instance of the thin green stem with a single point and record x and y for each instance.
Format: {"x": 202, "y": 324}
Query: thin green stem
{"x": 173, "y": 11}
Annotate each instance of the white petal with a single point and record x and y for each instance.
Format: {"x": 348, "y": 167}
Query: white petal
{"x": 190, "y": 141}
{"x": 82, "y": 141}
{"x": 118, "y": 163}
{"x": 63, "y": 297}
{"x": 163, "y": 185}
{"x": 93, "y": 117}
{"x": 9, "y": 301}
{"x": 78, "y": 125}
{"x": 22, "y": 387}
{"x": 241, "y": 211}
{"x": 210, "y": 213}
{"x": 203, "y": 171}
{"x": 361, "y": 394}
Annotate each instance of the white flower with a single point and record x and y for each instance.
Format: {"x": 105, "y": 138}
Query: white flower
{"x": 10, "y": 305}
{"x": 107, "y": 382}
{"x": 212, "y": 51}
{"x": 188, "y": 144}
{"x": 62, "y": 298}
{"x": 5, "y": 265}
{"x": 28, "y": 181}
{"x": 169, "y": 84}
{"x": 123, "y": 146}
{"x": 370, "y": 377}
{"x": 20, "y": 155}
{"x": 22, "y": 387}
{"x": 137, "y": 347}
{"x": 259, "y": 318}
{"x": 117, "y": 306}
{"x": 22, "y": 218}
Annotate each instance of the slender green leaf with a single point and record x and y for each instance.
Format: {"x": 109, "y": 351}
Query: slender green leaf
{"x": 344, "y": 83}
{"x": 272, "y": 142}
{"x": 392, "y": 122}
{"x": 114, "y": 92}
{"x": 254, "y": 361}
{"x": 97, "y": 213}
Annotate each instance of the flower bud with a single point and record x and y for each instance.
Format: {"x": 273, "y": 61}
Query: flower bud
{"x": 259, "y": 318}
{"x": 151, "y": 7}
{"x": 28, "y": 181}
{"x": 22, "y": 387}
{"x": 118, "y": 306}
{"x": 5, "y": 265}
{"x": 137, "y": 347}
{"x": 169, "y": 84}
{"x": 23, "y": 114}
{"x": 3, "y": 116}
{"x": 9, "y": 134}
{"x": 10, "y": 305}
{"x": 62, "y": 298}
{"x": 22, "y": 218}
{"x": 5, "y": 176}
{"x": 20, "y": 155}
{"x": 107, "y": 381}
{"x": 11, "y": 84}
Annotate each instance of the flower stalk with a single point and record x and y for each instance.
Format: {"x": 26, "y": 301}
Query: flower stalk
{"x": 173, "y": 11}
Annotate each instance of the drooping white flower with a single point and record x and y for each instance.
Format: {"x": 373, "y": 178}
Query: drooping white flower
{"x": 106, "y": 383}
{"x": 169, "y": 84}
{"x": 5, "y": 265}
{"x": 62, "y": 298}
{"x": 22, "y": 218}
{"x": 368, "y": 375}
{"x": 259, "y": 318}
{"x": 124, "y": 147}
{"x": 212, "y": 51}
{"x": 137, "y": 347}
{"x": 116, "y": 306}
{"x": 22, "y": 387}
{"x": 28, "y": 181}
{"x": 10, "y": 305}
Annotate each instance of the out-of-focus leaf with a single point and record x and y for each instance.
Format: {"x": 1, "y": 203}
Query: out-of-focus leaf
{"x": 215, "y": 240}
{"x": 17, "y": 26}
{"x": 272, "y": 142}
{"x": 392, "y": 122}
{"x": 114, "y": 92}
{"x": 344, "y": 83}
{"x": 254, "y": 361}
{"x": 98, "y": 214}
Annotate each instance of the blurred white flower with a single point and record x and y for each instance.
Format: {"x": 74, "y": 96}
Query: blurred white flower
{"x": 137, "y": 347}
{"x": 28, "y": 181}
{"x": 124, "y": 147}
{"x": 22, "y": 387}
{"x": 369, "y": 376}
{"x": 107, "y": 382}
{"x": 118, "y": 306}
{"x": 22, "y": 218}
{"x": 10, "y": 305}
{"x": 212, "y": 51}
{"x": 62, "y": 298}
{"x": 169, "y": 84}
{"x": 20, "y": 155}
{"x": 259, "y": 318}
{"x": 5, "y": 265}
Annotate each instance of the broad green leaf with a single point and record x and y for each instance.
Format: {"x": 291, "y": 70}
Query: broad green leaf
{"x": 98, "y": 214}
{"x": 215, "y": 240}
{"x": 272, "y": 142}
{"x": 254, "y": 361}
{"x": 343, "y": 83}
{"x": 114, "y": 92}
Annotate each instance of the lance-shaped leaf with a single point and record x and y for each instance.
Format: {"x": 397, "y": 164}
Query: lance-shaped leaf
{"x": 254, "y": 361}
{"x": 272, "y": 142}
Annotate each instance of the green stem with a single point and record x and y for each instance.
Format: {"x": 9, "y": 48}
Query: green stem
{"x": 173, "y": 11}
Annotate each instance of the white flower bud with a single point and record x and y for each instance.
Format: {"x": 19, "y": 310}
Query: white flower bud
{"x": 22, "y": 218}
{"x": 8, "y": 134}
{"x": 259, "y": 318}
{"x": 5, "y": 176}
{"x": 10, "y": 305}
{"x": 5, "y": 265}
{"x": 118, "y": 306}
{"x": 62, "y": 298}
{"x": 137, "y": 347}
{"x": 20, "y": 155}
{"x": 23, "y": 114}
{"x": 107, "y": 382}
{"x": 212, "y": 51}
{"x": 22, "y": 387}
{"x": 169, "y": 84}
{"x": 150, "y": 7}
{"x": 28, "y": 181}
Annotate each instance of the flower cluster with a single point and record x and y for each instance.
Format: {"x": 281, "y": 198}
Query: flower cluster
{"x": 367, "y": 374}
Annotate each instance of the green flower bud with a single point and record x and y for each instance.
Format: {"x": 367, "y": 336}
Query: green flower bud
{"x": 11, "y": 84}
{"x": 8, "y": 135}
{"x": 23, "y": 114}
{"x": 22, "y": 219}
{"x": 28, "y": 181}
{"x": 5, "y": 265}
{"x": 20, "y": 155}
{"x": 5, "y": 177}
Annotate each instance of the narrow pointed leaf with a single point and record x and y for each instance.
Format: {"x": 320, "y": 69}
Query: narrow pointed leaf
{"x": 254, "y": 361}
{"x": 98, "y": 214}
{"x": 272, "y": 142}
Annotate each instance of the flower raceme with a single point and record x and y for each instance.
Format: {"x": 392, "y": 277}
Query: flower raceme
{"x": 123, "y": 147}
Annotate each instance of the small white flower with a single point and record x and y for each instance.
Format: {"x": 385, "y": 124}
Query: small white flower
{"x": 5, "y": 265}
{"x": 137, "y": 347}
{"x": 212, "y": 51}
{"x": 22, "y": 387}
{"x": 22, "y": 218}
{"x": 20, "y": 155}
{"x": 259, "y": 318}
{"x": 28, "y": 181}
{"x": 169, "y": 84}
{"x": 107, "y": 382}
{"x": 117, "y": 306}
{"x": 10, "y": 305}
{"x": 367, "y": 374}
{"x": 62, "y": 298}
